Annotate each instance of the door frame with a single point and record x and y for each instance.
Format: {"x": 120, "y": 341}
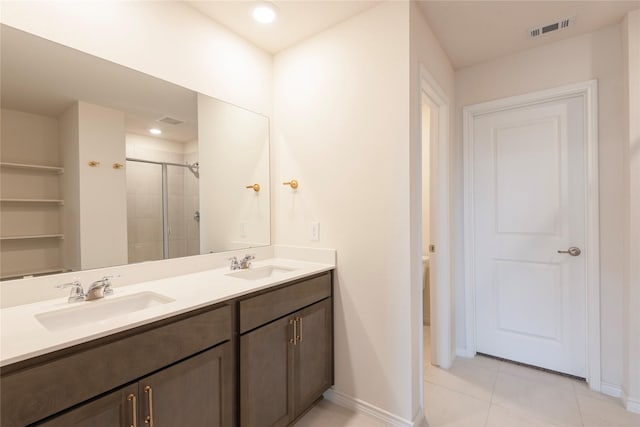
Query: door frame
{"x": 441, "y": 300}
{"x": 589, "y": 91}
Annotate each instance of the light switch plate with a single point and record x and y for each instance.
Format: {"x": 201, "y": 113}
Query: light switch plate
{"x": 315, "y": 230}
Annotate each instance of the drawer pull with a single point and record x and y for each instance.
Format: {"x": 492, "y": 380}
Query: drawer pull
{"x": 294, "y": 340}
{"x": 134, "y": 410}
{"x": 299, "y": 319}
{"x": 149, "y": 418}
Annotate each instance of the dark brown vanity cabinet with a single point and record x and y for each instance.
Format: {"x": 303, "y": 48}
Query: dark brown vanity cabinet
{"x": 187, "y": 360}
{"x": 196, "y": 392}
{"x": 258, "y": 360}
{"x": 286, "y": 362}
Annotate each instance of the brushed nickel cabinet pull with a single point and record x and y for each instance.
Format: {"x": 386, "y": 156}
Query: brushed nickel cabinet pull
{"x": 134, "y": 410}
{"x": 294, "y": 340}
{"x": 299, "y": 319}
{"x": 149, "y": 418}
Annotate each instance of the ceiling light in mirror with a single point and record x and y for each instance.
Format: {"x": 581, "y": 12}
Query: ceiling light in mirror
{"x": 265, "y": 13}
{"x": 155, "y": 131}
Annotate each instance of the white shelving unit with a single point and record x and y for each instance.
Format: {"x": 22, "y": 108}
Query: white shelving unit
{"x": 53, "y": 201}
{"x": 52, "y": 169}
{"x": 34, "y": 236}
{"x": 31, "y": 202}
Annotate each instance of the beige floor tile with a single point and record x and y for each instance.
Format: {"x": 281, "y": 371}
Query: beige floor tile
{"x": 598, "y": 412}
{"x": 503, "y": 417}
{"x": 537, "y": 376}
{"x": 466, "y": 376}
{"x": 544, "y": 400}
{"x": 326, "y": 414}
{"x": 448, "y": 408}
{"x": 582, "y": 389}
{"x": 481, "y": 361}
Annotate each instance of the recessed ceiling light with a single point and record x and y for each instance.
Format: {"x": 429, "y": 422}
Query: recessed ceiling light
{"x": 155, "y": 131}
{"x": 265, "y": 13}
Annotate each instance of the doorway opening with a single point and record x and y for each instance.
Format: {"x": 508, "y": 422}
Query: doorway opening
{"x": 436, "y": 236}
{"x": 429, "y": 131}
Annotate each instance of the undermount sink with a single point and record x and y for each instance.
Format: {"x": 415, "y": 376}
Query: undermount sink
{"x": 258, "y": 273}
{"x": 96, "y": 311}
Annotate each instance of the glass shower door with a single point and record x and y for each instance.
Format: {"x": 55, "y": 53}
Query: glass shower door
{"x": 144, "y": 211}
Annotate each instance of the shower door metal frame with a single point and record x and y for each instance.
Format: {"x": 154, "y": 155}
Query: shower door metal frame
{"x": 165, "y": 200}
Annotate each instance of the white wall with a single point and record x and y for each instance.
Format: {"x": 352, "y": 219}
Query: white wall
{"x": 595, "y": 55}
{"x": 103, "y": 189}
{"x": 341, "y": 129}
{"x": 166, "y": 39}
{"x": 631, "y": 55}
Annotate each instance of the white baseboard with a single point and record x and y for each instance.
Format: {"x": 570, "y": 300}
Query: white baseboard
{"x": 610, "y": 389}
{"x": 462, "y": 352}
{"x": 370, "y": 410}
{"x": 632, "y": 405}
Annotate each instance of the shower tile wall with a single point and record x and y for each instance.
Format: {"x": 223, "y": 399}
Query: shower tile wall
{"x": 144, "y": 197}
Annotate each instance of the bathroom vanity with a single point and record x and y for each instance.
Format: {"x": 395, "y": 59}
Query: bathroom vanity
{"x": 254, "y": 351}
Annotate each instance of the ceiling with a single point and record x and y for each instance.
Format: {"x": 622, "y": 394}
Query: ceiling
{"x": 297, "y": 19}
{"x": 476, "y": 31}
{"x": 470, "y": 31}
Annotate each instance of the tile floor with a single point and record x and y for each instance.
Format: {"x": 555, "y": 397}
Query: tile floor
{"x": 487, "y": 392}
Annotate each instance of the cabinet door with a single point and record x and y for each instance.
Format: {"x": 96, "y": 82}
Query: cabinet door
{"x": 313, "y": 373}
{"x": 265, "y": 375}
{"x": 197, "y": 392}
{"x": 115, "y": 409}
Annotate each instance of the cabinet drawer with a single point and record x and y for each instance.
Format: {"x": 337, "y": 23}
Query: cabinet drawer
{"x": 74, "y": 375}
{"x": 261, "y": 309}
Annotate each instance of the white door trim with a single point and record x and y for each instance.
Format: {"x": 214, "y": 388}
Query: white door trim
{"x": 442, "y": 337}
{"x": 589, "y": 91}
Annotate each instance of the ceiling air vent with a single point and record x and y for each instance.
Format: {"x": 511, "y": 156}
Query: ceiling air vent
{"x": 550, "y": 28}
{"x": 169, "y": 120}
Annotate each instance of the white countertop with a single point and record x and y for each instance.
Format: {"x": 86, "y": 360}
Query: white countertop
{"x": 24, "y": 337}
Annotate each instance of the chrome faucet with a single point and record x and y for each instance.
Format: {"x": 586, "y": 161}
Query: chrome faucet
{"x": 99, "y": 289}
{"x": 246, "y": 261}
{"x": 243, "y": 264}
{"x": 77, "y": 293}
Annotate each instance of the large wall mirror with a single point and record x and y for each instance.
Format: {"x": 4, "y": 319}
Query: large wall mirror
{"x": 85, "y": 184}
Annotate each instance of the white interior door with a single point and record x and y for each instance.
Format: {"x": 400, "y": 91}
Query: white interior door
{"x": 529, "y": 203}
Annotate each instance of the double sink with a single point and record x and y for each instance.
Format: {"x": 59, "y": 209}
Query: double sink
{"x": 111, "y": 307}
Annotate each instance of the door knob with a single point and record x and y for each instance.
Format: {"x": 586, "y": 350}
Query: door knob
{"x": 573, "y": 251}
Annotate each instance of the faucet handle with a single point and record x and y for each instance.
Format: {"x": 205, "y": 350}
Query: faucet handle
{"x": 105, "y": 282}
{"x": 245, "y": 262}
{"x": 77, "y": 292}
{"x": 235, "y": 265}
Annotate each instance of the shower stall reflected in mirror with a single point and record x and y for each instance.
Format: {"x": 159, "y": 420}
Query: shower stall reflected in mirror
{"x": 163, "y": 216}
